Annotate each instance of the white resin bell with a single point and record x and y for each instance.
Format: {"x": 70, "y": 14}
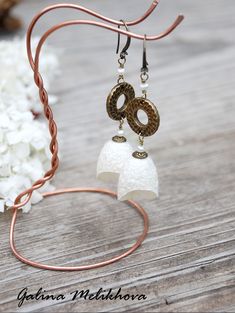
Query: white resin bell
{"x": 138, "y": 180}
{"x": 111, "y": 160}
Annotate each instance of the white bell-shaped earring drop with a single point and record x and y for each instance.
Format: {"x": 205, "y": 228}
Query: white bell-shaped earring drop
{"x": 112, "y": 158}
{"x": 115, "y": 152}
{"x": 138, "y": 178}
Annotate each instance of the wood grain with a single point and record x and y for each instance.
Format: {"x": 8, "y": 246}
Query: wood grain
{"x": 186, "y": 264}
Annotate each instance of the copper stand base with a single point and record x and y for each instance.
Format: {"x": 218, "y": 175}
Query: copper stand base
{"x": 81, "y": 267}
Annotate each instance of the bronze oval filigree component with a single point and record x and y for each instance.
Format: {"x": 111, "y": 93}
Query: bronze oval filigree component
{"x": 119, "y": 139}
{"x": 151, "y": 111}
{"x": 140, "y": 154}
{"x": 125, "y": 89}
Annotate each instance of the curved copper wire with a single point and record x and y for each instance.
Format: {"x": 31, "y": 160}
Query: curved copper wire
{"x": 85, "y": 10}
{"x": 92, "y": 13}
{"x": 25, "y": 196}
{"x": 89, "y": 266}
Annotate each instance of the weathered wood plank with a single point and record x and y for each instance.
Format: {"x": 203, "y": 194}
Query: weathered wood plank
{"x": 187, "y": 262}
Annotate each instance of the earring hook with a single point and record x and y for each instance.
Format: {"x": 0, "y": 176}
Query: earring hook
{"x": 127, "y": 45}
{"x": 144, "y": 68}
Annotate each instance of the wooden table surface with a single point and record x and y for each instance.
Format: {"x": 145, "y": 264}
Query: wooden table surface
{"x": 186, "y": 264}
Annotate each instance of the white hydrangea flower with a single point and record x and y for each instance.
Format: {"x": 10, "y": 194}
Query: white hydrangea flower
{"x": 16, "y": 76}
{"x": 24, "y": 140}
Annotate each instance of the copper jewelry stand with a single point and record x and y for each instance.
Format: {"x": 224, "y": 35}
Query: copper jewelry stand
{"x": 25, "y": 196}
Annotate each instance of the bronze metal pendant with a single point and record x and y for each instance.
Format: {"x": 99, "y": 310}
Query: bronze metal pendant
{"x": 151, "y": 111}
{"x": 125, "y": 89}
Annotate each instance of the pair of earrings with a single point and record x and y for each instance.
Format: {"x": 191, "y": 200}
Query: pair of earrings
{"x": 134, "y": 169}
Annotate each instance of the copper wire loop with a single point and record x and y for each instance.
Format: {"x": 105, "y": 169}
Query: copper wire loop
{"x": 25, "y": 196}
{"x": 138, "y": 242}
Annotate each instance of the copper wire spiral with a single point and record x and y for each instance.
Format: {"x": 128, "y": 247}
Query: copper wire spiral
{"x": 25, "y": 196}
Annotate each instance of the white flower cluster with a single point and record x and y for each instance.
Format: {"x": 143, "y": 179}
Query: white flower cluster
{"x": 16, "y": 76}
{"x": 24, "y": 140}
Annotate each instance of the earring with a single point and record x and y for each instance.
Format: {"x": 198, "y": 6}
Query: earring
{"x": 116, "y": 151}
{"x": 139, "y": 178}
